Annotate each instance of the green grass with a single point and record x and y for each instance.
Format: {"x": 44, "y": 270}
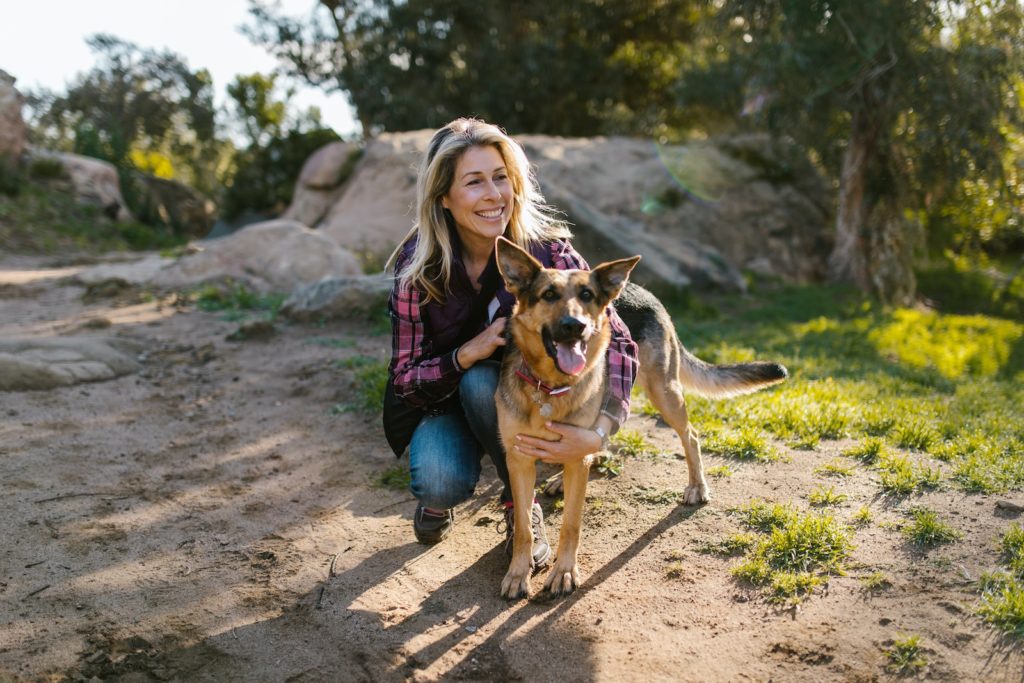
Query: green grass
{"x": 796, "y": 552}
{"x": 395, "y": 478}
{"x": 943, "y": 385}
{"x": 720, "y": 471}
{"x": 926, "y": 530}
{"x": 730, "y": 546}
{"x": 822, "y": 497}
{"x": 905, "y": 655}
{"x": 237, "y": 301}
{"x": 41, "y": 219}
{"x": 1002, "y": 592}
{"x": 369, "y": 380}
{"x": 899, "y": 476}
{"x": 835, "y": 468}
{"x": 862, "y": 517}
{"x": 875, "y": 581}
{"x": 630, "y": 442}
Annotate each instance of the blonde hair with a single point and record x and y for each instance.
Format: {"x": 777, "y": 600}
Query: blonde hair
{"x": 430, "y": 267}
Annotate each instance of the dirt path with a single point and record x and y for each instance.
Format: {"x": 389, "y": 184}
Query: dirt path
{"x": 210, "y": 519}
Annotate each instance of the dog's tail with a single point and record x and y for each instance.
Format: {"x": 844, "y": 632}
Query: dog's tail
{"x": 727, "y": 380}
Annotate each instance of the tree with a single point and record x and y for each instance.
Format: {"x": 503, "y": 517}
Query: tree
{"x": 576, "y": 67}
{"x": 900, "y": 99}
{"x": 136, "y": 100}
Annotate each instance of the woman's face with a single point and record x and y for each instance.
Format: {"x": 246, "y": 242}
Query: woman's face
{"x": 480, "y": 198}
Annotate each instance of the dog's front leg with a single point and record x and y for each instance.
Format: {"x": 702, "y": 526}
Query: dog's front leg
{"x": 565, "y": 575}
{"x": 522, "y": 472}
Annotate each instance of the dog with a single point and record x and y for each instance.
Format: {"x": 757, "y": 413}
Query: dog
{"x": 557, "y": 337}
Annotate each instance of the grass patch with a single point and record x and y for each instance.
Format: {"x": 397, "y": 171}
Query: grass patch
{"x": 905, "y": 656}
{"x": 868, "y": 451}
{"x": 395, "y": 478}
{"x": 1002, "y": 599}
{"x": 369, "y": 381}
{"x": 821, "y": 497}
{"x": 609, "y": 466}
{"x": 745, "y": 443}
{"x": 875, "y": 581}
{"x": 835, "y": 468}
{"x": 630, "y": 442}
{"x": 927, "y": 531}
{"x": 719, "y": 471}
{"x": 237, "y": 300}
{"x": 796, "y": 552}
{"x": 901, "y": 477}
{"x": 730, "y": 546}
{"x": 862, "y": 517}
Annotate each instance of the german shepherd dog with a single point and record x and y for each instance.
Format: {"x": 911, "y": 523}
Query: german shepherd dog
{"x": 557, "y": 337}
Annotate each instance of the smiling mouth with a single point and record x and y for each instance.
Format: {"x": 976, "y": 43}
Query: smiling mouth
{"x": 570, "y": 356}
{"x": 493, "y": 213}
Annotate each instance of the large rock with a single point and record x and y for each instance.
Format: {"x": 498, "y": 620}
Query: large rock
{"x": 700, "y": 214}
{"x": 93, "y": 181}
{"x": 12, "y": 125}
{"x": 47, "y": 363}
{"x": 339, "y": 298}
{"x": 272, "y": 256}
{"x": 322, "y": 181}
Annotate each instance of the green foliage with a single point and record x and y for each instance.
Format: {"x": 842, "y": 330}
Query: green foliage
{"x": 875, "y": 581}
{"x": 610, "y": 466}
{"x": 1012, "y": 547}
{"x": 264, "y": 178}
{"x": 528, "y": 65}
{"x": 927, "y": 530}
{"x": 1002, "y": 600}
{"x": 821, "y": 496}
{"x": 719, "y": 471}
{"x": 369, "y": 381}
{"x": 735, "y": 544}
{"x": 862, "y": 517}
{"x": 235, "y": 297}
{"x": 630, "y": 442}
{"x": 834, "y": 469}
{"x": 959, "y": 286}
{"x": 868, "y": 451}
{"x": 396, "y": 478}
{"x": 40, "y": 219}
{"x": 901, "y": 477}
{"x": 796, "y": 552}
{"x": 763, "y": 516}
{"x": 744, "y": 443}
{"x": 905, "y": 655}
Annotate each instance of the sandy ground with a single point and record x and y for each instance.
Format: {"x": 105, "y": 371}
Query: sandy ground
{"x": 210, "y": 519}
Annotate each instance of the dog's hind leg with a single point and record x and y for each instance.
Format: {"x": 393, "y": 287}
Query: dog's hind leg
{"x": 667, "y": 397}
{"x": 565, "y": 576}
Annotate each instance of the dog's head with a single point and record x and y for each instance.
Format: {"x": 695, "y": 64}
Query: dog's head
{"x": 565, "y": 309}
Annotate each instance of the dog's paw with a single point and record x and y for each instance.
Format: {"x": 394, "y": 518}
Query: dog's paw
{"x": 516, "y": 584}
{"x": 553, "y": 486}
{"x": 562, "y": 580}
{"x": 696, "y": 494}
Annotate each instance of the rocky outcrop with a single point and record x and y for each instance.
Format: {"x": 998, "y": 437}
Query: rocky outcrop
{"x": 47, "y": 363}
{"x": 700, "y": 214}
{"x": 93, "y": 181}
{"x": 339, "y": 298}
{"x": 12, "y": 125}
{"x": 322, "y": 181}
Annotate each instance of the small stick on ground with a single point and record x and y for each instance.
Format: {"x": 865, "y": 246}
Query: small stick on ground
{"x": 115, "y": 495}
{"x": 37, "y": 591}
{"x": 330, "y": 575}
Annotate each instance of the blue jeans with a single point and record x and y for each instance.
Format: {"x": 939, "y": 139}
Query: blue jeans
{"x": 446, "y": 450}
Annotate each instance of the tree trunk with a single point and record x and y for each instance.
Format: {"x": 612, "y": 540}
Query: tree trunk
{"x": 849, "y": 259}
{"x": 874, "y": 243}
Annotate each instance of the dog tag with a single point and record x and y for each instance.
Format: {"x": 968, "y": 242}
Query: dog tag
{"x": 545, "y": 410}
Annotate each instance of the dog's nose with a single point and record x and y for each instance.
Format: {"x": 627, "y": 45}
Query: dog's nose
{"x": 571, "y": 327}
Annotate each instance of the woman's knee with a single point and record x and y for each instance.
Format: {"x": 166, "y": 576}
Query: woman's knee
{"x": 444, "y": 464}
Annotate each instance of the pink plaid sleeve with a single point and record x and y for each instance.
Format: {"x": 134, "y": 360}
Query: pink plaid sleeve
{"x": 622, "y": 352}
{"x": 420, "y": 377}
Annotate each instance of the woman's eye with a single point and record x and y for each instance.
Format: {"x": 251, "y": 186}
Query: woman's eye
{"x": 550, "y": 295}
{"x": 586, "y": 295}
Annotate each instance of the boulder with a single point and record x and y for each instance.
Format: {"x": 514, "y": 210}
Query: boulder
{"x": 322, "y": 181}
{"x": 274, "y": 256}
{"x": 93, "y": 181}
{"x": 12, "y": 125}
{"x": 700, "y": 214}
{"x": 187, "y": 212}
{"x": 339, "y": 298}
{"x": 48, "y": 363}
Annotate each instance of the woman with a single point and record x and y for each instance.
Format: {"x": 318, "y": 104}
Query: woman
{"x": 449, "y": 309}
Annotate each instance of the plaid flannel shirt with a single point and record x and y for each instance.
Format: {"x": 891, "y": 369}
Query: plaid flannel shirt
{"x": 422, "y": 368}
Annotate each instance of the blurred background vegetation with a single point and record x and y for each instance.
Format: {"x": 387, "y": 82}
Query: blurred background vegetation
{"x": 913, "y": 108}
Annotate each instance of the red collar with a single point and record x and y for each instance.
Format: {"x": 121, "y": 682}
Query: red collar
{"x": 527, "y": 376}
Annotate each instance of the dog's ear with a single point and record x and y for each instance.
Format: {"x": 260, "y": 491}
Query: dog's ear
{"x": 516, "y": 266}
{"x": 611, "y": 277}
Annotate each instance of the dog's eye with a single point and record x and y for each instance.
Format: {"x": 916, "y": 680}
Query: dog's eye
{"x": 586, "y": 295}
{"x": 550, "y": 295}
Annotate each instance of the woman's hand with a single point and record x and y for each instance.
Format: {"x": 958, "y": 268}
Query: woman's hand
{"x": 576, "y": 444}
{"x": 482, "y": 345}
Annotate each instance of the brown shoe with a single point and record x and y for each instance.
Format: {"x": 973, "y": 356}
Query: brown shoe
{"x": 432, "y": 526}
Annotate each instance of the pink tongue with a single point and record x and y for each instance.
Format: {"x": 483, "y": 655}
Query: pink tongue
{"x": 571, "y": 359}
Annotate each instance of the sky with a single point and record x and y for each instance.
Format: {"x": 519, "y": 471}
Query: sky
{"x": 42, "y": 44}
